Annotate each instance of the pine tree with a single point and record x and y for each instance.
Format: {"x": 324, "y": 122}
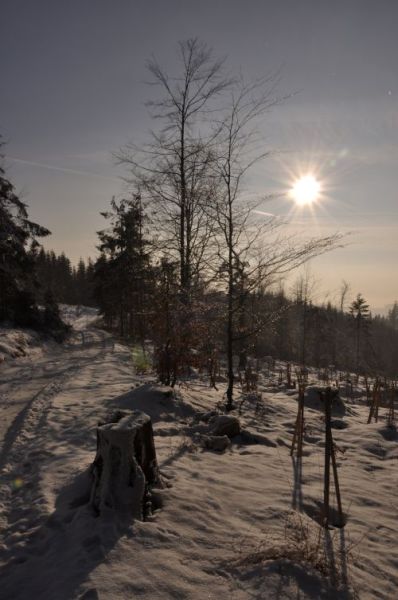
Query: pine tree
{"x": 52, "y": 320}
{"x": 17, "y": 301}
{"x": 359, "y": 311}
{"x": 393, "y": 316}
{"x": 123, "y": 270}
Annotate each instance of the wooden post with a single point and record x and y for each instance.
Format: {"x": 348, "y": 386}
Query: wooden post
{"x": 391, "y": 407}
{"x": 298, "y": 435}
{"x": 328, "y": 451}
{"x": 374, "y": 407}
{"x": 367, "y": 385}
{"x": 330, "y": 455}
{"x": 289, "y": 375}
{"x": 337, "y": 486}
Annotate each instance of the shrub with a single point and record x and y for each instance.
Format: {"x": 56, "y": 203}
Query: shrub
{"x": 141, "y": 361}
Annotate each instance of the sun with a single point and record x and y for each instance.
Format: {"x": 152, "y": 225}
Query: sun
{"x": 305, "y": 191}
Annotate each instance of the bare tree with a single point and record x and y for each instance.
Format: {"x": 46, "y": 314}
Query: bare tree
{"x": 192, "y": 172}
{"x": 173, "y": 169}
{"x": 250, "y": 250}
{"x": 344, "y": 289}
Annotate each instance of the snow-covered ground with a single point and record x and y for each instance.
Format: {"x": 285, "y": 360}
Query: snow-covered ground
{"x": 236, "y": 525}
{"x": 22, "y": 343}
{"x": 30, "y": 365}
{"x": 16, "y": 343}
{"x": 80, "y": 317}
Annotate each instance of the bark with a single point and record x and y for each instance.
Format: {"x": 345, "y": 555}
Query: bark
{"x": 230, "y": 325}
{"x": 125, "y": 465}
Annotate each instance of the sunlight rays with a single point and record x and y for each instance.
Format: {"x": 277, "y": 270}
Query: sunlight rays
{"x": 305, "y": 190}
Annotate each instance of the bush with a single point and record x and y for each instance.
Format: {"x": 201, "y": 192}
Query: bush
{"x": 141, "y": 361}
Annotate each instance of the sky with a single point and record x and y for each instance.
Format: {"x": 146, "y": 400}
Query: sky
{"x": 74, "y": 87}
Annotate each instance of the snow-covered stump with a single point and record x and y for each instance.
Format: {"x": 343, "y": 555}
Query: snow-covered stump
{"x": 125, "y": 466}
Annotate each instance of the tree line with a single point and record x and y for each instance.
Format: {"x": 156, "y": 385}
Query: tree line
{"x": 146, "y": 306}
{"x": 68, "y": 283}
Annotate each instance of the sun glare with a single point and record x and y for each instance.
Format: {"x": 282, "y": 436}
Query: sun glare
{"x": 305, "y": 191}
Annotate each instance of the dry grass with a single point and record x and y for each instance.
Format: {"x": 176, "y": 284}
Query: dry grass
{"x": 306, "y": 543}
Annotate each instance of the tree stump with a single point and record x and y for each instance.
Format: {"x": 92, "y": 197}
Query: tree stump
{"x": 125, "y": 466}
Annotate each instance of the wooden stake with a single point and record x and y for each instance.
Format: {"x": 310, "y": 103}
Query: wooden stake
{"x": 337, "y": 486}
{"x": 330, "y": 456}
{"x": 367, "y": 385}
{"x": 374, "y": 407}
{"x": 391, "y": 408}
{"x": 289, "y": 375}
{"x": 328, "y": 451}
{"x": 299, "y": 427}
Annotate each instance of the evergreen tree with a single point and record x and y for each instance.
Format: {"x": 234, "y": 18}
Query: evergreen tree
{"x": 67, "y": 283}
{"x": 52, "y": 319}
{"x": 17, "y": 301}
{"x": 393, "y": 316}
{"x": 359, "y": 311}
{"x": 123, "y": 271}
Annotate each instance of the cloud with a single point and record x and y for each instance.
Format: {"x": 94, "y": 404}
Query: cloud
{"x": 61, "y": 169}
{"x": 264, "y": 213}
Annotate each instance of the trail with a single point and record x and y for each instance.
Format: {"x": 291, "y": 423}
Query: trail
{"x": 27, "y": 382}
{"x": 56, "y": 402}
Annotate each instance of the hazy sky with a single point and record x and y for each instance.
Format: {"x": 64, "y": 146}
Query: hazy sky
{"x": 73, "y": 90}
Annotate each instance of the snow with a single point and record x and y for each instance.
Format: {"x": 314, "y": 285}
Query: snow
{"x": 15, "y": 343}
{"x": 237, "y": 524}
{"x": 80, "y": 317}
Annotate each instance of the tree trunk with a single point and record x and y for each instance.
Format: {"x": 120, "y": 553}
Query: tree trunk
{"x": 304, "y": 338}
{"x": 125, "y": 465}
{"x": 230, "y": 365}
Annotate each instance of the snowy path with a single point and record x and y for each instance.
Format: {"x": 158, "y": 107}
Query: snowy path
{"x": 29, "y": 380}
{"x": 58, "y": 401}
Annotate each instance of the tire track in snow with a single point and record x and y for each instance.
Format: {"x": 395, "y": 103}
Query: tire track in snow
{"x": 24, "y": 421}
{"x": 56, "y": 371}
{"x": 21, "y": 447}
